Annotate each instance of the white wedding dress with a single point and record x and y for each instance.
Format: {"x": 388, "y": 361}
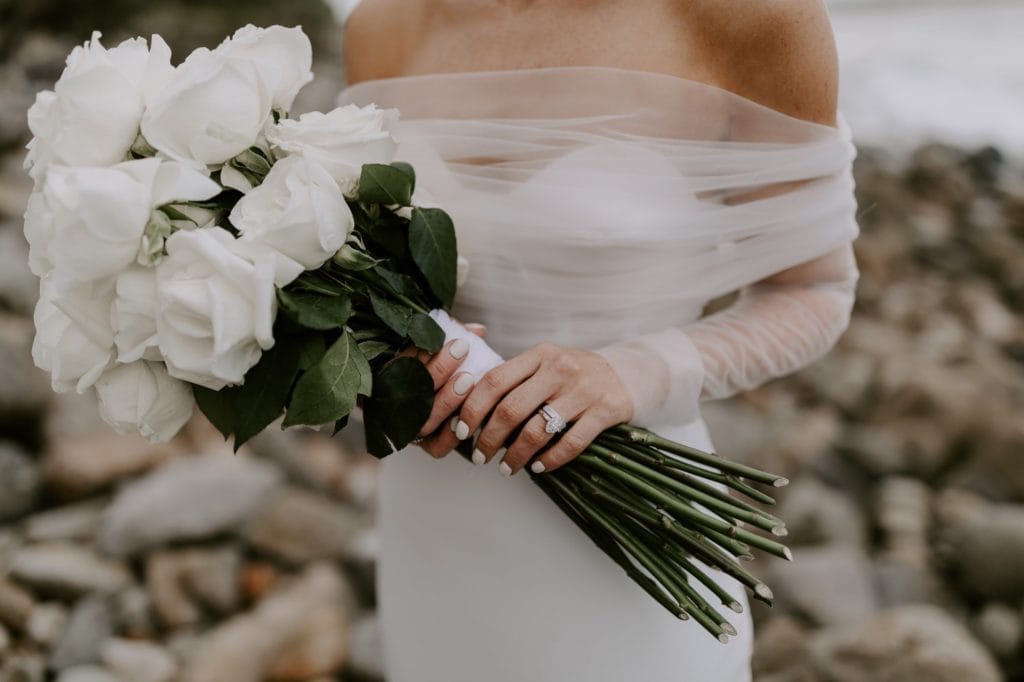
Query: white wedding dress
{"x": 593, "y": 204}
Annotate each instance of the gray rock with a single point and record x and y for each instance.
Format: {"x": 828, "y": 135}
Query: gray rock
{"x": 76, "y": 522}
{"x": 310, "y": 461}
{"x": 817, "y": 514}
{"x": 299, "y": 632}
{"x": 905, "y": 644}
{"x": 139, "y": 661}
{"x": 16, "y": 604}
{"x": 185, "y": 499}
{"x": 181, "y": 582}
{"x": 366, "y": 655}
{"x": 87, "y": 673}
{"x": 133, "y": 613}
{"x": 983, "y": 544}
{"x": 19, "y": 288}
{"x": 91, "y": 623}
{"x": 780, "y": 650}
{"x": 903, "y": 515}
{"x": 831, "y": 585}
{"x": 999, "y": 628}
{"x": 24, "y": 667}
{"x": 19, "y": 481}
{"x": 46, "y": 623}
{"x": 298, "y": 526}
{"x": 67, "y": 570}
{"x": 77, "y": 464}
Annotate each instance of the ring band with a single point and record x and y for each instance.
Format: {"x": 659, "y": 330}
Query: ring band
{"x": 555, "y": 423}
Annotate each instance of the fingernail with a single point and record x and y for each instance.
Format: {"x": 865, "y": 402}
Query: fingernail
{"x": 474, "y": 327}
{"x": 453, "y": 423}
{"x": 463, "y": 384}
{"x": 459, "y": 348}
{"x": 479, "y": 457}
{"x": 505, "y": 469}
{"x": 537, "y": 467}
{"x": 462, "y": 430}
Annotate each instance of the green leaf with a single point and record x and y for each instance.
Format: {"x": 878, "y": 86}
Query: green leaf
{"x": 218, "y": 408}
{"x": 403, "y": 396}
{"x": 315, "y": 310}
{"x": 339, "y": 425}
{"x": 373, "y": 349}
{"x": 261, "y": 399}
{"x": 408, "y": 170}
{"x": 394, "y": 317}
{"x": 311, "y": 350}
{"x": 328, "y": 390}
{"x": 383, "y": 184}
{"x": 433, "y": 247}
{"x": 426, "y": 333}
{"x": 403, "y": 285}
{"x": 248, "y": 409}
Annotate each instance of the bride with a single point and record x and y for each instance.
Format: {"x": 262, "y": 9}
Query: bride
{"x": 611, "y": 167}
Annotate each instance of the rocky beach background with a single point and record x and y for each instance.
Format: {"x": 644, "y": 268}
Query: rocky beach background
{"x": 121, "y": 561}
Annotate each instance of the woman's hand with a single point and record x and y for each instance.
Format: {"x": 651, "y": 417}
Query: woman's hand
{"x": 437, "y": 436}
{"x": 579, "y": 384}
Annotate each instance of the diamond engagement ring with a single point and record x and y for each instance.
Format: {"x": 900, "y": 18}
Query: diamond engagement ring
{"x": 555, "y": 423}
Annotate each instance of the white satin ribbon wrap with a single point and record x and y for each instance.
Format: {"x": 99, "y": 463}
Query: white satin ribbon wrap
{"x": 602, "y": 208}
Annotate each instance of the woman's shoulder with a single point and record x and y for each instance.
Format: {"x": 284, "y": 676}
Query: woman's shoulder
{"x": 375, "y": 33}
{"x": 780, "y": 53}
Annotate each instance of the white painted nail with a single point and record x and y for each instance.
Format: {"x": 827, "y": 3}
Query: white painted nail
{"x": 462, "y": 430}
{"x": 505, "y": 469}
{"x": 479, "y": 457}
{"x": 474, "y": 327}
{"x": 453, "y": 423}
{"x": 463, "y": 384}
{"x": 459, "y": 348}
{"x": 537, "y": 467}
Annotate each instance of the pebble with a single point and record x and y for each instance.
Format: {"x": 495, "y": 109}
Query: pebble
{"x": 19, "y": 288}
{"x": 366, "y": 654}
{"x": 190, "y": 498}
{"x": 1000, "y": 628}
{"x": 90, "y": 624}
{"x": 88, "y": 673}
{"x": 66, "y": 570}
{"x": 16, "y": 604}
{"x": 817, "y": 514}
{"x": 46, "y": 623}
{"x": 904, "y": 644}
{"x": 75, "y": 522}
{"x": 19, "y": 481}
{"x": 808, "y": 585}
{"x": 23, "y": 667}
{"x": 138, "y": 661}
{"x": 298, "y": 526}
{"x": 296, "y": 633}
{"x": 79, "y": 464}
{"x": 182, "y": 583}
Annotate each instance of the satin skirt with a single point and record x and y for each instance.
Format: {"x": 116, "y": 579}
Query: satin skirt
{"x": 482, "y": 578}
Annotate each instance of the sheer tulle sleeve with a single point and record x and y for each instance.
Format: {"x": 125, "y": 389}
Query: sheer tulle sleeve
{"x": 776, "y": 326}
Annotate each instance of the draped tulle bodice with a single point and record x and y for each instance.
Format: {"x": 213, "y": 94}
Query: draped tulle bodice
{"x": 596, "y": 203}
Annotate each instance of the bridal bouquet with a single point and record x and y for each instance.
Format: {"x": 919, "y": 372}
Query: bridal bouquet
{"x": 196, "y": 246}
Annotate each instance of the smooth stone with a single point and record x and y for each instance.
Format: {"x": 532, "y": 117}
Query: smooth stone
{"x": 19, "y": 481}
{"x": 66, "y": 570}
{"x": 46, "y": 623}
{"x": 808, "y": 585}
{"x": 904, "y": 644}
{"x": 16, "y": 604}
{"x": 296, "y": 633}
{"x": 75, "y": 522}
{"x": 190, "y": 498}
{"x": 88, "y": 673}
{"x": 90, "y": 624}
{"x": 180, "y": 583}
{"x": 138, "y": 661}
{"x": 298, "y": 526}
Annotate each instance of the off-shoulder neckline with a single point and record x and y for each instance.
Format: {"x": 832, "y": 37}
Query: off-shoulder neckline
{"x": 593, "y": 68}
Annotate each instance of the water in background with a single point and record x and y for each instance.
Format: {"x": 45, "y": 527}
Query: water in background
{"x": 914, "y": 70}
{"x": 951, "y": 70}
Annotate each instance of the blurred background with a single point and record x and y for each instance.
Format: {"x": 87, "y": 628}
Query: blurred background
{"x": 126, "y": 562}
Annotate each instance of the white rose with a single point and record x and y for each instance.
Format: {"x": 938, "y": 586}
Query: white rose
{"x": 143, "y": 398}
{"x": 74, "y": 341}
{"x": 92, "y": 115}
{"x": 341, "y": 140}
{"x": 215, "y": 309}
{"x": 92, "y": 221}
{"x": 134, "y": 315}
{"x": 283, "y": 58}
{"x": 212, "y": 108}
{"x": 298, "y": 215}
